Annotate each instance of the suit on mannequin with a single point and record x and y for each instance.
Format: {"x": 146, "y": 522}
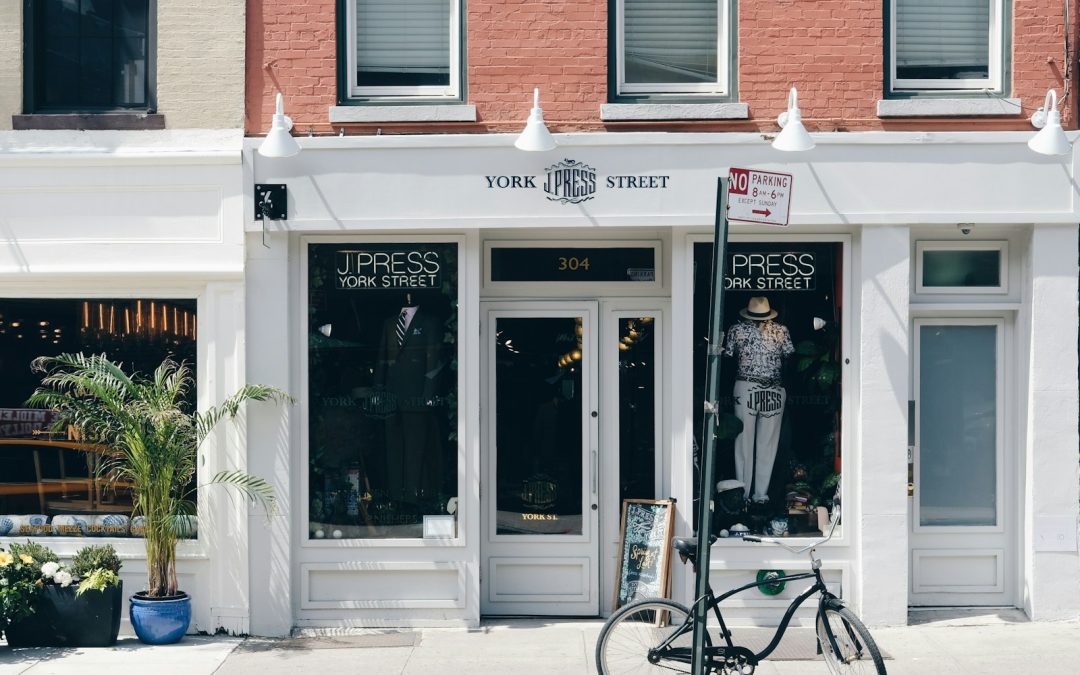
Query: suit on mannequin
{"x": 761, "y": 345}
{"x": 407, "y": 368}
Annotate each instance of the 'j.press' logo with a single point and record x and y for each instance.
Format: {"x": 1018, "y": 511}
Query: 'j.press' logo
{"x": 573, "y": 182}
{"x": 570, "y": 182}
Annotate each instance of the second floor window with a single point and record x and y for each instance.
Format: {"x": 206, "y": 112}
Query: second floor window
{"x": 946, "y": 44}
{"x": 403, "y": 48}
{"x": 677, "y": 47}
{"x": 88, "y": 55}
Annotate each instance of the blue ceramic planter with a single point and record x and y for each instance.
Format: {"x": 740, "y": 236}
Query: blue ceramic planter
{"x": 160, "y": 622}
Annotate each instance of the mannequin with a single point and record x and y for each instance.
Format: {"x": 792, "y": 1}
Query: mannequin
{"x": 407, "y": 367}
{"x": 761, "y": 345}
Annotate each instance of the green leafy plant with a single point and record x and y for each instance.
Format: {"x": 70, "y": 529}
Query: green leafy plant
{"x": 150, "y": 441}
{"x": 98, "y": 580}
{"x": 20, "y": 584}
{"x": 92, "y": 558}
{"x": 39, "y": 553}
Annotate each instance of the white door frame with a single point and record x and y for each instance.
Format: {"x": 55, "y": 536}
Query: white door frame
{"x": 991, "y": 542}
{"x": 530, "y": 553}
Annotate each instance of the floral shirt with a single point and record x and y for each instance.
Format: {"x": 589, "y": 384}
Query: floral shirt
{"x": 761, "y": 350}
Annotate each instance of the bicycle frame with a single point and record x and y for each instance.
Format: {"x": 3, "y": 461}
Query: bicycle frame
{"x": 730, "y": 649}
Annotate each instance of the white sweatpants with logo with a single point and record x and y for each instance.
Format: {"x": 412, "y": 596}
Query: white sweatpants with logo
{"x": 761, "y": 409}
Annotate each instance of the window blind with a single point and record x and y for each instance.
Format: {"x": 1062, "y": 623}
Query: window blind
{"x": 946, "y": 39}
{"x": 670, "y": 42}
{"x": 403, "y": 36}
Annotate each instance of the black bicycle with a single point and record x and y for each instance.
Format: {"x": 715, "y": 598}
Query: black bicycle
{"x": 655, "y": 635}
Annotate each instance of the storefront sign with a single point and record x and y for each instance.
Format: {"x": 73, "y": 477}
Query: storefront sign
{"x": 759, "y": 196}
{"x": 771, "y": 271}
{"x": 387, "y": 269}
{"x": 572, "y": 182}
{"x": 24, "y": 422}
{"x": 634, "y": 264}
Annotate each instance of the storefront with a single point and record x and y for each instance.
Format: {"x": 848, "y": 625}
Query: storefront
{"x": 491, "y": 349}
{"x": 131, "y": 246}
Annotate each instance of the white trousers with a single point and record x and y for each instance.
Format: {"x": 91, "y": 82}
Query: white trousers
{"x": 761, "y": 409}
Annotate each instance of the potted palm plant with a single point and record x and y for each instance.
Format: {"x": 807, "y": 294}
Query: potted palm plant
{"x": 153, "y": 436}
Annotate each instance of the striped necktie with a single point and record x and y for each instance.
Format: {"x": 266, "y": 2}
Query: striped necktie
{"x": 401, "y": 327}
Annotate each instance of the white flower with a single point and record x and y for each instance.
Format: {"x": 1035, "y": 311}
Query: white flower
{"x": 49, "y": 569}
{"x": 3, "y": 582}
{"x": 63, "y": 577}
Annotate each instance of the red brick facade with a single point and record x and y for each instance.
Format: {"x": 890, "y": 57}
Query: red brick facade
{"x": 832, "y": 50}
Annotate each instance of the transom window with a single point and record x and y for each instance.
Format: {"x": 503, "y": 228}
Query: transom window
{"x": 403, "y": 48}
{"x": 89, "y": 55}
{"x": 677, "y": 47}
{"x": 946, "y": 44}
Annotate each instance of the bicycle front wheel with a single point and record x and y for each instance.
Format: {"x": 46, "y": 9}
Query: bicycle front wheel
{"x": 629, "y": 641}
{"x": 855, "y": 651}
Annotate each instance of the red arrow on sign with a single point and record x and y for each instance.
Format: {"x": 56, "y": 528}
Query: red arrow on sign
{"x": 765, "y": 212}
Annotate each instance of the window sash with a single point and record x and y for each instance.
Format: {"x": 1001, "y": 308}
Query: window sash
{"x": 719, "y": 86}
{"x": 936, "y": 13}
{"x": 382, "y": 56}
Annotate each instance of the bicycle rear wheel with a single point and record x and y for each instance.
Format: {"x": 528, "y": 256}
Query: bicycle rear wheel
{"x": 856, "y": 652}
{"x": 632, "y": 632}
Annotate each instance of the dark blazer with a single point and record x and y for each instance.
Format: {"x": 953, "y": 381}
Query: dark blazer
{"x": 409, "y": 372}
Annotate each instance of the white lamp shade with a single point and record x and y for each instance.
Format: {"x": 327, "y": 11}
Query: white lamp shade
{"x": 279, "y": 142}
{"x": 535, "y": 137}
{"x": 793, "y": 137}
{"x": 1051, "y": 138}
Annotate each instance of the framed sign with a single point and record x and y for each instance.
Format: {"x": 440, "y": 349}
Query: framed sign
{"x": 644, "y": 550}
{"x": 566, "y": 266}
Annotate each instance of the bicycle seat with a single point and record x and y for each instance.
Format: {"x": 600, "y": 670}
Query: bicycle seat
{"x": 687, "y": 546}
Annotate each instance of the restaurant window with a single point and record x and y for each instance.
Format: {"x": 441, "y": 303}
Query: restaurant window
{"x": 403, "y": 48}
{"x": 779, "y": 442}
{"x": 671, "y": 47}
{"x": 89, "y": 55}
{"x": 51, "y": 482}
{"x": 382, "y": 390}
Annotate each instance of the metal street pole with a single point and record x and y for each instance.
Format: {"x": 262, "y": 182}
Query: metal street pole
{"x": 707, "y": 486}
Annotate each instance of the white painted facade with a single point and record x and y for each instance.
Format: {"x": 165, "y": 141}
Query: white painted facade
{"x": 173, "y": 213}
{"x": 877, "y": 193}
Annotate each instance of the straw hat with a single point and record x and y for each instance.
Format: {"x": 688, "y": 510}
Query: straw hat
{"x": 758, "y": 309}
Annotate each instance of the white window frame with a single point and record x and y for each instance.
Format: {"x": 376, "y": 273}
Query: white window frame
{"x": 723, "y": 40}
{"x": 451, "y": 91}
{"x": 996, "y": 44}
{"x": 1002, "y": 247}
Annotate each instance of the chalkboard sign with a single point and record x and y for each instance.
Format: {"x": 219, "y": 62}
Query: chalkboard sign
{"x": 645, "y": 550}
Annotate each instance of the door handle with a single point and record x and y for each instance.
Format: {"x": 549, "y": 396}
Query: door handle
{"x": 595, "y": 473}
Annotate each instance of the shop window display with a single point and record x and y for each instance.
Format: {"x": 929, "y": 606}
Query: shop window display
{"x": 382, "y": 390}
{"x": 52, "y": 483}
{"x": 779, "y": 434}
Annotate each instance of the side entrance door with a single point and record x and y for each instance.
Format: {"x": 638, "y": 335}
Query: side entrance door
{"x": 962, "y": 536}
{"x": 539, "y": 459}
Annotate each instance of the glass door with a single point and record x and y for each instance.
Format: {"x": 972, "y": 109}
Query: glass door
{"x": 961, "y": 531}
{"x": 539, "y": 482}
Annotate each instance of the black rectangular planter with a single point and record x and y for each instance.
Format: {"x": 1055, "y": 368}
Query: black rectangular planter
{"x": 61, "y": 619}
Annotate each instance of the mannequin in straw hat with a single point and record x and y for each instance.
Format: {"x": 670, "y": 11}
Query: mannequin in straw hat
{"x": 760, "y": 345}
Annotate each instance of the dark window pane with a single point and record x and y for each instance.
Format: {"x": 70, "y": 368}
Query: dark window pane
{"x": 670, "y": 42}
{"x": 943, "y": 39}
{"x": 91, "y": 54}
{"x": 970, "y": 269}
{"x": 637, "y": 408}
{"x": 382, "y": 390}
{"x": 402, "y": 43}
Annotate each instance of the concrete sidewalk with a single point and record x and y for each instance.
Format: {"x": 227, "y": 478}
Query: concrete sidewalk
{"x": 936, "y": 642}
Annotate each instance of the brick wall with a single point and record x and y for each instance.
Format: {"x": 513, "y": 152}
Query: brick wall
{"x": 10, "y": 61}
{"x": 200, "y": 63}
{"x": 830, "y": 49}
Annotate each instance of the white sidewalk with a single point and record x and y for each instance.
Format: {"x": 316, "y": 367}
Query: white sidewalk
{"x": 983, "y": 642}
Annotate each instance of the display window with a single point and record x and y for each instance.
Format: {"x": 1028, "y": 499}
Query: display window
{"x": 51, "y": 482}
{"x": 382, "y": 390}
{"x": 779, "y": 439}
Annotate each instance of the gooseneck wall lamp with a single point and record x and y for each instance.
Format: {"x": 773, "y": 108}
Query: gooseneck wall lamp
{"x": 1051, "y": 138}
{"x": 535, "y": 137}
{"x": 793, "y": 136}
{"x": 279, "y": 142}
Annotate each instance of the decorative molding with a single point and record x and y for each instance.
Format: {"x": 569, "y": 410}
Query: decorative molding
{"x": 354, "y": 114}
{"x": 948, "y": 107}
{"x": 635, "y": 112}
